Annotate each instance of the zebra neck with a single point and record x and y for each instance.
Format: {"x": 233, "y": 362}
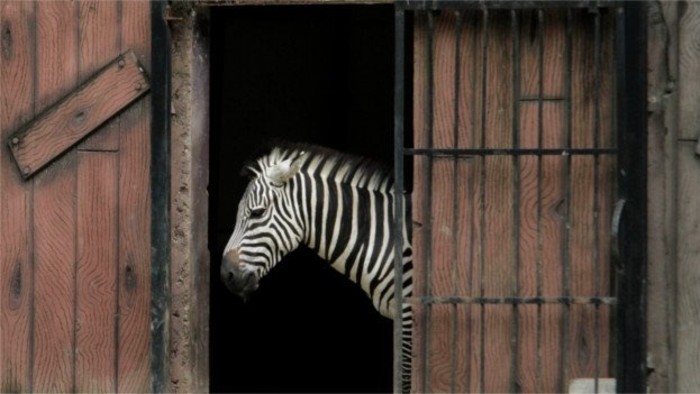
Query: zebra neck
{"x": 350, "y": 227}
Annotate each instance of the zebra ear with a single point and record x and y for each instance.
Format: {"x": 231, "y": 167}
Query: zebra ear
{"x": 283, "y": 171}
{"x": 250, "y": 171}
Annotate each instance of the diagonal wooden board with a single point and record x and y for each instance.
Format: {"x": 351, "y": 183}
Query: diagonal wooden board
{"x": 77, "y": 115}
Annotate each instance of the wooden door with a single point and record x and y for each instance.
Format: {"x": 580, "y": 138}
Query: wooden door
{"x": 512, "y": 215}
{"x": 75, "y": 237}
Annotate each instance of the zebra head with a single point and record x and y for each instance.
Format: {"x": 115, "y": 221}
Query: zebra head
{"x": 265, "y": 227}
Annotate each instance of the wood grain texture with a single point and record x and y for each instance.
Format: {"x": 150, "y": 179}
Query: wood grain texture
{"x": 420, "y": 217}
{"x": 662, "y": 205}
{"x": 100, "y": 42}
{"x": 17, "y": 104}
{"x": 54, "y": 208}
{"x": 587, "y": 346}
{"x": 689, "y": 62}
{"x": 549, "y": 26}
{"x": 75, "y": 245}
{"x": 134, "y": 277}
{"x": 688, "y": 317}
{"x": 497, "y": 189}
{"x": 500, "y": 226}
{"x": 78, "y": 114}
{"x": 96, "y": 338}
{"x": 542, "y": 226}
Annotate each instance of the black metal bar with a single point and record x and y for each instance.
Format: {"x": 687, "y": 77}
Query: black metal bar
{"x": 468, "y": 152}
{"x": 399, "y": 209}
{"x": 631, "y": 369}
{"x": 543, "y": 98}
{"x": 160, "y": 194}
{"x": 505, "y": 4}
{"x": 562, "y": 300}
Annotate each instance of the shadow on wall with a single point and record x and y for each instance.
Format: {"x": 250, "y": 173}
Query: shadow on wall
{"x": 318, "y": 74}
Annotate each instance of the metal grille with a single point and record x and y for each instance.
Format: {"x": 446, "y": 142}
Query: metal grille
{"x": 517, "y": 96}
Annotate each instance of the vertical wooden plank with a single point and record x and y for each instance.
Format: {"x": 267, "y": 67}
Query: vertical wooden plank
{"x": 134, "y": 216}
{"x": 541, "y": 225}
{"x": 528, "y": 238}
{"x": 449, "y": 214}
{"x": 99, "y": 44}
{"x": 498, "y": 275}
{"x": 689, "y": 61}
{"x": 441, "y": 212}
{"x": 590, "y": 188}
{"x": 662, "y": 209}
{"x": 552, "y": 228}
{"x": 553, "y": 27}
{"x": 688, "y": 300}
{"x": 464, "y": 205}
{"x": 54, "y": 209}
{"x": 17, "y": 105}
{"x": 97, "y": 304}
{"x": 96, "y": 339}
{"x": 477, "y": 103}
{"x": 688, "y": 251}
{"x": 420, "y": 181}
{"x": 607, "y": 189}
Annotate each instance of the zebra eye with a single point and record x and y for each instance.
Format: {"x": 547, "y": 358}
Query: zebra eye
{"x": 257, "y": 212}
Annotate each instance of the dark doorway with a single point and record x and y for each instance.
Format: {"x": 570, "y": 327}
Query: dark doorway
{"x": 317, "y": 74}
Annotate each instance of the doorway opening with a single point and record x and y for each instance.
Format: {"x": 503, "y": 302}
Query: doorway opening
{"x": 314, "y": 74}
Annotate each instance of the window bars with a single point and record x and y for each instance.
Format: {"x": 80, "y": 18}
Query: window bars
{"x": 527, "y": 126}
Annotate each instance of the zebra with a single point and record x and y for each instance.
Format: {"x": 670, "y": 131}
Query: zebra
{"x": 340, "y": 206}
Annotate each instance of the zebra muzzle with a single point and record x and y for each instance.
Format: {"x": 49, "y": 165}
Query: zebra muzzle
{"x": 236, "y": 278}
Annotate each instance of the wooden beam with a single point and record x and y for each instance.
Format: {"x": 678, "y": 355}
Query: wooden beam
{"x": 78, "y": 114}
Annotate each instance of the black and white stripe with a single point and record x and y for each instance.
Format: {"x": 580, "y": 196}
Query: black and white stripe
{"x": 338, "y": 205}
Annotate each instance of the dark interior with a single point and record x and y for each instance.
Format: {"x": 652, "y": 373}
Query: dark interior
{"x": 317, "y": 74}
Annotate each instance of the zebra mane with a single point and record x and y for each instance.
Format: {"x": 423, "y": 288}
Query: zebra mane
{"x": 360, "y": 171}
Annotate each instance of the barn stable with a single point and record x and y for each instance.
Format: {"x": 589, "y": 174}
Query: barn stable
{"x": 548, "y": 152}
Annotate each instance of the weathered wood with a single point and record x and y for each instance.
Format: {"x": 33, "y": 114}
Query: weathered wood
{"x": 65, "y": 231}
{"x": 189, "y": 276}
{"x": 511, "y": 213}
{"x": 17, "y": 67}
{"x": 420, "y": 180}
{"x": 443, "y": 348}
{"x": 54, "y": 226}
{"x": 97, "y": 217}
{"x": 100, "y": 42}
{"x": 134, "y": 275}
{"x": 542, "y": 70}
{"x": 688, "y": 220}
{"x": 497, "y": 187}
{"x": 662, "y": 206}
{"x": 78, "y": 114}
{"x": 541, "y": 237}
{"x": 689, "y": 62}
{"x": 688, "y": 308}
{"x": 587, "y": 339}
